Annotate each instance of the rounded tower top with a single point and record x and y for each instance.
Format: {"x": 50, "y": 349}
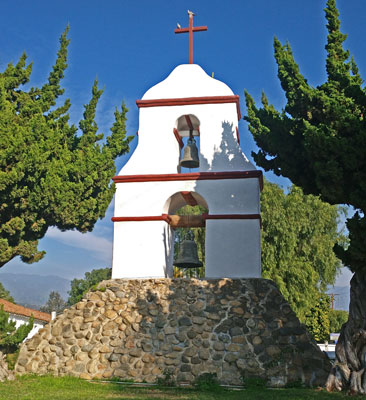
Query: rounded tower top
{"x": 187, "y": 80}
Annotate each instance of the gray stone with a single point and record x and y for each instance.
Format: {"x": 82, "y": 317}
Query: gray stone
{"x": 135, "y": 353}
{"x": 184, "y": 321}
{"x": 191, "y": 334}
{"x": 138, "y": 328}
{"x": 185, "y": 368}
{"x": 219, "y": 346}
{"x": 230, "y": 357}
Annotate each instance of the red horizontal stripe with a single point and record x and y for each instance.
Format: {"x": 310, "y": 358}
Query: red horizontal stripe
{"x": 231, "y": 216}
{"x": 188, "y": 176}
{"x": 191, "y": 100}
{"x": 165, "y": 217}
{"x": 136, "y": 219}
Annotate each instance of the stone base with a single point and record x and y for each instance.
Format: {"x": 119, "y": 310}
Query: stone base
{"x": 138, "y": 329}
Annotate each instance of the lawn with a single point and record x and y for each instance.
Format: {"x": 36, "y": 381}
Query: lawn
{"x": 67, "y": 388}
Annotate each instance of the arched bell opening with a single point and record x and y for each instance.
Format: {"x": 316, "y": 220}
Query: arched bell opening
{"x": 187, "y": 130}
{"x": 184, "y": 250}
{"x": 186, "y": 217}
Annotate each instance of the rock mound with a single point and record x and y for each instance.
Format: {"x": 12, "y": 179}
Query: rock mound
{"x": 5, "y": 373}
{"x": 138, "y": 329}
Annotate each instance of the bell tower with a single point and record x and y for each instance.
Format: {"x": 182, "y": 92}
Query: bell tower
{"x": 188, "y": 152}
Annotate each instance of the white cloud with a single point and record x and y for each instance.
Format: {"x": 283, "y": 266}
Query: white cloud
{"x": 343, "y": 279}
{"x": 101, "y": 247}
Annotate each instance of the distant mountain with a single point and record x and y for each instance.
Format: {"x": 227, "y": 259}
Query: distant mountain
{"x": 33, "y": 290}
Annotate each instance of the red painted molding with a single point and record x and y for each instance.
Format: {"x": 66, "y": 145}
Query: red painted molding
{"x": 191, "y": 100}
{"x": 137, "y": 219}
{"x": 178, "y": 137}
{"x": 165, "y": 217}
{"x": 188, "y": 198}
{"x": 237, "y": 135}
{"x": 231, "y": 216}
{"x": 189, "y": 122}
{"x": 191, "y": 176}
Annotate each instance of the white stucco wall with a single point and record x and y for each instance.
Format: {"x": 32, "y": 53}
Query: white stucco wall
{"x": 158, "y": 150}
{"x": 145, "y": 248}
{"x": 21, "y": 320}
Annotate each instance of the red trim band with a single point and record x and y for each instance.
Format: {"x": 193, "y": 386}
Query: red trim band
{"x": 191, "y": 100}
{"x": 231, "y": 216}
{"x": 165, "y": 217}
{"x": 189, "y": 122}
{"x": 178, "y": 137}
{"x": 237, "y": 135}
{"x": 191, "y": 176}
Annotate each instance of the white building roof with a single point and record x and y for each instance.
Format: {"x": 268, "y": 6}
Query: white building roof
{"x": 187, "y": 80}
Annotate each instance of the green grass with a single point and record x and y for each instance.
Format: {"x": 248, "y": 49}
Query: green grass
{"x": 68, "y": 388}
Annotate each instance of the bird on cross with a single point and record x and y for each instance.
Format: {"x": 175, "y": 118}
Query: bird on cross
{"x": 190, "y": 31}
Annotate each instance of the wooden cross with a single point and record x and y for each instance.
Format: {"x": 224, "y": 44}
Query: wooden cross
{"x": 190, "y": 31}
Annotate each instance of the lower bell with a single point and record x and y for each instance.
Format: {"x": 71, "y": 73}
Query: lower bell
{"x": 188, "y": 256}
{"x": 190, "y": 156}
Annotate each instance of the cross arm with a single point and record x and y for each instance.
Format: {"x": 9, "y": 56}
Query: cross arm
{"x": 195, "y": 29}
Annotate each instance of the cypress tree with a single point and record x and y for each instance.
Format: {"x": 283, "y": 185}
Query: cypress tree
{"x": 318, "y": 141}
{"x": 51, "y": 174}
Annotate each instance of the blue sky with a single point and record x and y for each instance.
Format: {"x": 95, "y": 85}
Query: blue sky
{"x": 130, "y": 46}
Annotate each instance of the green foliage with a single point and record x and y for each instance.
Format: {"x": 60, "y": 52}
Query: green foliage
{"x": 5, "y": 294}
{"x": 51, "y": 174}
{"x": 54, "y": 303}
{"x": 317, "y": 319}
{"x": 336, "y": 319}
{"x": 254, "y": 383}
{"x": 318, "y": 139}
{"x": 167, "y": 380}
{"x": 199, "y": 238}
{"x": 10, "y": 336}
{"x": 80, "y": 286}
{"x": 207, "y": 382}
{"x": 11, "y": 359}
{"x": 68, "y": 387}
{"x": 295, "y": 385}
{"x": 298, "y": 235}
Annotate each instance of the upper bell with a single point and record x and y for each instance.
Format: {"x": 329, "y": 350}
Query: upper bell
{"x": 188, "y": 256}
{"x": 190, "y": 157}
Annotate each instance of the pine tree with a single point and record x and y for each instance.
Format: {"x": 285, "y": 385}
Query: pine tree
{"x": 54, "y": 303}
{"x": 318, "y": 141}
{"x": 10, "y": 336}
{"x": 50, "y": 174}
{"x": 5, "y": 294}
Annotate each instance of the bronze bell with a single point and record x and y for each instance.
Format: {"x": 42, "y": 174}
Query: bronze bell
{"x": 188, "y": 256}
{"x": 190, "y": 157}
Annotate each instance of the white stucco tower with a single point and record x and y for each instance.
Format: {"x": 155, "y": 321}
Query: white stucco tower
{"x": 151, "y": 186}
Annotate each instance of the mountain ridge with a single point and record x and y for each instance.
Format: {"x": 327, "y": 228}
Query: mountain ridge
{"x": 33, "y": 290}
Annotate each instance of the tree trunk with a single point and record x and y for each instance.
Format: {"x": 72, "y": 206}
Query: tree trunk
{"x": 349, "y": 370}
